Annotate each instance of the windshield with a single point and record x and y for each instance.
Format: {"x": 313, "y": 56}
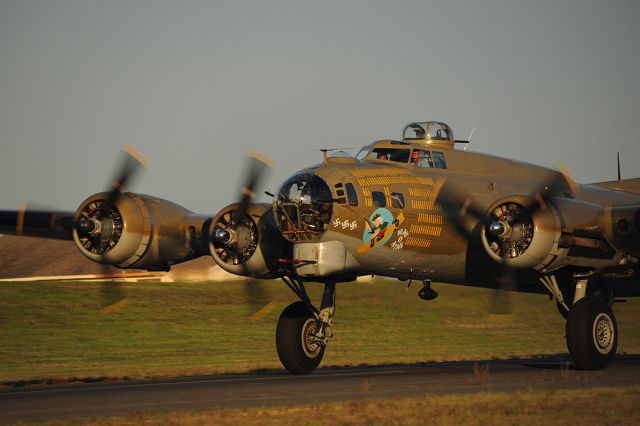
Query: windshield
{"x": 363, "y": 152}
{"x": 392, "y": 154}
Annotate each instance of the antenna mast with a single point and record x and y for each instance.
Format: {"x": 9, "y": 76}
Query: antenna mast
{"x": 469, "y": 138}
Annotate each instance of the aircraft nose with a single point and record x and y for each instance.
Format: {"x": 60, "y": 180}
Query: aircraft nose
{"x": 303, "y": 207}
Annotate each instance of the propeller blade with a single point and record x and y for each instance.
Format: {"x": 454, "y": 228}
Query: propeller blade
{"x": 501, "y": 303}
{"x": 566, "y": 173}
{"x": 255, "y": 294}
{"x": 459, "y": 209}
{"x": 556, "y": 184}
{"x": 132, "y": 161}
{"x": 258, "y": 164}
{"x": 112, "y": 294}
{"x": 260, "y": 303}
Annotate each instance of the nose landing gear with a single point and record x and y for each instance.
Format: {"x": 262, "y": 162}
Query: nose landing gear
{"x": 298, "y": 350}
{"x": 303, "y": 331}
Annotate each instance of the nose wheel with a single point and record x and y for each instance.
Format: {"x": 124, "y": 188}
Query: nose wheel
{"x": 592, "y": 333}
{"x": 298, "y": 349}
{"x": 303, "y": 331}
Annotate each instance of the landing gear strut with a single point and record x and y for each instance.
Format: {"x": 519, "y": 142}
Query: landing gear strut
{"x": 303, "y": 331}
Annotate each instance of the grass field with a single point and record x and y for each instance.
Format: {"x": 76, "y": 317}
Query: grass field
{"x": 599, "y": 406}
{"x": 57, "y": 330}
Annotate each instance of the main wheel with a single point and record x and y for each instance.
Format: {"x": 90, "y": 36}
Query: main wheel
{"x": 297, "y": 351}
{"x": 592, "y": 333}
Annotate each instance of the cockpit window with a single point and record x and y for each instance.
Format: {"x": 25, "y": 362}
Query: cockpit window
{"x": 303, "y": 207}
{"x": 391, "y": 154}
{"x": 421, "y": 158}
{"x": 429, "y": 159}
{"x": 438, "y": 160}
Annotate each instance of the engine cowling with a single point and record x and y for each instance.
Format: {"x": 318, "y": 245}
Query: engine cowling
{"x": 138, "y": 231}
{"x": 544, "y": 240}
{"x": 250, "y": 248}
{"x": 527, "y": 245}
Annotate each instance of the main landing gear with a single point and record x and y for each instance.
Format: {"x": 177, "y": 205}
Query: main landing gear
{"x": 592, "y": 333}
{"x": 591, "y": 328}
{"x": 303, "y": 331}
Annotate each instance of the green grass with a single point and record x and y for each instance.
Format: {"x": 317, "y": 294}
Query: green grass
{"x": 57, "y": 330}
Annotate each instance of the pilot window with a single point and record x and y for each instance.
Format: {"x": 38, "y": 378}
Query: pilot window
{"x": 438, "y": 160}
{"x": 379, "y": 200}
{"x": 421, "y": 158}
{"x": 391, "y": 154}
{"x": 351, "y": 194}
{"x": 397, "y": 200}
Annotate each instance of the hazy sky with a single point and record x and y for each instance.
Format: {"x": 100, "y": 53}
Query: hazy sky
{"x": 195, "y": 84}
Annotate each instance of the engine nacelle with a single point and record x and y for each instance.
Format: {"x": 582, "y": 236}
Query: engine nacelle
{"x": 621, "y": 227}
{"x": 549, "y": 237}
{"x": 250, "y": 248}
{"x": 139, "y": 231}
{"x": 529, "y": 246}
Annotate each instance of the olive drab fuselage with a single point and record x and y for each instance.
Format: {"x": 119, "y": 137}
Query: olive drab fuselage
{"x": 381, "y": 213}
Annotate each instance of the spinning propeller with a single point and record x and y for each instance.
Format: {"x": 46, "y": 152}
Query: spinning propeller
{"x": 99, "y": 226}
{"x": 236, "y": 236}
{"x": 508, "y": 227}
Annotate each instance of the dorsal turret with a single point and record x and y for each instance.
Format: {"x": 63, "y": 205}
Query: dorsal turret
{"x": 430, "y": 133}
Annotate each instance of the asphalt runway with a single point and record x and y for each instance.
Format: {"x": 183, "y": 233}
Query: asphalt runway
{"x": 76, "y": 401}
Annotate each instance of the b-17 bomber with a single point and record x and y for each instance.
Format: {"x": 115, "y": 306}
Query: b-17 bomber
{"x": 415, "y": 208}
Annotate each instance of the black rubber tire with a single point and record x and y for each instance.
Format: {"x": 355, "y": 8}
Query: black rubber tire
{"x": 588, "y": 319}
{"x": 289, "y": 341}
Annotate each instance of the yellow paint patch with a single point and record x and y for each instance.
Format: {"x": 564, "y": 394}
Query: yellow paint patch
{"x": 395, "y": 180}
{"x": 369, "y": 171}
{"x": 425, "y": 205}
{"x": 432, "y": 231}
{"x": 420, "y": 192}
{"x": 417, "y": 242}
{"x": 430, "y": 218}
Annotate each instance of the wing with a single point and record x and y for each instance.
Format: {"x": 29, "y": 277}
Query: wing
{"x": 56, "y": 225}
